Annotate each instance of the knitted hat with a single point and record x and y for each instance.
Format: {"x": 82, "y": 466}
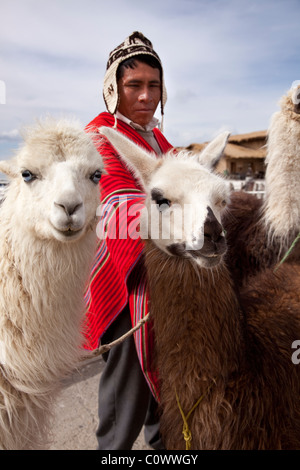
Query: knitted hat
{"x": 135, "y": 44}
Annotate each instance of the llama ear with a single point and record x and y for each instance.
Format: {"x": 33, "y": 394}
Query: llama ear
{"x": 212, "y": 153}
{"x": 139, "y": 161}
{"x": 8, "y": 168}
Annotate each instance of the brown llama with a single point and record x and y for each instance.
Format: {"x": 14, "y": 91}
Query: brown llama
{"x": 229, "y": 357}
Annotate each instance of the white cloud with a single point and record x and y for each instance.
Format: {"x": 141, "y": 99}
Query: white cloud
{"x": 10, "y": 135}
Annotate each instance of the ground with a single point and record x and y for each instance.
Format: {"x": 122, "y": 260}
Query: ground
{"x": 76, "y": 415}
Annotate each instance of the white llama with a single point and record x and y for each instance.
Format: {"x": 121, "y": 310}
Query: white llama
{"x": 260, "y": 233}
{"x": 227, "y": 380}
{"x": 283, "y": 170}
{"x": 47, "y": 242}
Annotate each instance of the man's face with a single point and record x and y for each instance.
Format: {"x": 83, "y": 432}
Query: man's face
{"x": 140, "y": 93}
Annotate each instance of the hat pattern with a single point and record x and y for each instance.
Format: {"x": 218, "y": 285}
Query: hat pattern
{"x": 135, "y": 44}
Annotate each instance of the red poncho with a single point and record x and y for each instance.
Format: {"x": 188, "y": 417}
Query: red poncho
{"x": 117, "y": 275}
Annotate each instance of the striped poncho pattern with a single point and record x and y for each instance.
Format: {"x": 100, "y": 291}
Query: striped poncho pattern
{"x": 118, "y": 275}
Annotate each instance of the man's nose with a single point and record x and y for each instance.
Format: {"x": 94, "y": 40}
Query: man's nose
{"x": 145, "y": 95}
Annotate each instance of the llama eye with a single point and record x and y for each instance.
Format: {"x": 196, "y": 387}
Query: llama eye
{"x": 221, "y": 203}
{"x": 96, "y": 177}
{"x": 163, "y": 204}
{"x": 28, "y": 176}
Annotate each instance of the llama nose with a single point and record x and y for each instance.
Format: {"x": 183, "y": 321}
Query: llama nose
{"x": 69, "y": 207}
{"x": 212, "y": 227}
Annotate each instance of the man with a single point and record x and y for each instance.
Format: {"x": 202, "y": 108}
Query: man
{"x": 117, "y": 295}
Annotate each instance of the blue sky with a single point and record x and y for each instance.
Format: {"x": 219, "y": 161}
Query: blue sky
{"x": 226, "y": 62}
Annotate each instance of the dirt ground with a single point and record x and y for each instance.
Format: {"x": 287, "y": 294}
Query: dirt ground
{"x": 76, "y": 415}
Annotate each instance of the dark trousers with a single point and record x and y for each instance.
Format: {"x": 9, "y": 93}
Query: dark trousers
{"x": 125, "y": 400}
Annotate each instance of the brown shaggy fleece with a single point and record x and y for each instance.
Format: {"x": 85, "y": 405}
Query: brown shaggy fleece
{"x": 246, "y": 237}
{"x": 250, "y": 250}
{"x": 237, "y": 356}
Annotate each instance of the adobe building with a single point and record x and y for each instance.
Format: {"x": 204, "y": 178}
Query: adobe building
{"x": 244, "y": 155}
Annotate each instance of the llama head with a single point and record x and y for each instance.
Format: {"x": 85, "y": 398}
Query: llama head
{"x": 184, "y": 198}
{"x": 54, "y": 181}
{"x": 290, "y": 102}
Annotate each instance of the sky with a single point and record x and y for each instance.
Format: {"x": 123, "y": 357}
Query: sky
{"x": 226, "y": 62}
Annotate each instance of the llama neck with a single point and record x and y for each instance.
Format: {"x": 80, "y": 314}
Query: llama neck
{"x": 52, "y": 270}
{"x": 193, "y": 310}
{"x": 42, "y": 309}
{"x": 282, "y": 206}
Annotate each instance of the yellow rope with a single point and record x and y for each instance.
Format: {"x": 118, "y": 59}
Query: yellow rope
{"x": 187, "y": 435}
